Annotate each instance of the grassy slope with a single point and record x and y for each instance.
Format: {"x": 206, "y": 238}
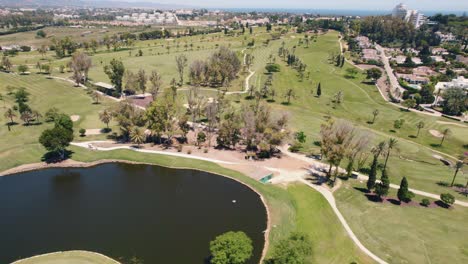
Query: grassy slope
{"x": 69, "y": 257}
{"x": 21, "y": 145}
{"x": 404, "y": 234}
{"x": 331, "y": 244}
{"x": 298, "y": 208}
{"x": 413, "y": 158}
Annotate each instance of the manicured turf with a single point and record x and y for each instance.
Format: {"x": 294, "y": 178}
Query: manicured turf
{"x": 414, "y": 156}
{"x": 330, "y": 242}
{"x": 69, "y": 257}
{"x": 405, "y": 234}
{"x": 20, "y": 145}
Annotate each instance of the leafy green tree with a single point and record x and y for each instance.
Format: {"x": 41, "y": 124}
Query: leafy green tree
{"x": 82, "y": 132}
{"x": 404, "y": 194}
{"x": 201, "y": 137}
{"x": 115, "y": 71}
{"x": 23, "y": 68}
{"x": 397, "y": 124}
{"x": 373, "y": 74}
{"x": 56, "y": 139}
{"x": 295, "y": 249}
{"x": 231, "y": 248}
{"x": 409, "y": 103}
{"x": 51, "y": 114}
{"x": 63, "y": 120}
{"x": 21, "y": 95}
{"x": 300, "y": 137}
{"x": 455, "y": 101}
{"x": 447, "y": 199}
{"x": 272, "y": 68}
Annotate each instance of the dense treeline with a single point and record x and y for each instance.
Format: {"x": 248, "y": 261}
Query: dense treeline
{"x": 28, "y": 18}
{"x": 387, "y": 29}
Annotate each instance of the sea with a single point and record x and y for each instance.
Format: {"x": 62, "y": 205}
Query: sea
{"x": 336, "y": 12}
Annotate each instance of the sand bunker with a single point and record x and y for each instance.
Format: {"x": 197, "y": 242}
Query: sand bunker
{"x": 75, "y": 118}
{"x": 436, "y": 133}
{"x": 94, "y": 131}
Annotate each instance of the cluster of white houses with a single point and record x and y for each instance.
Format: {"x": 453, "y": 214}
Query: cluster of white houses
{"x": 150, "y": 18}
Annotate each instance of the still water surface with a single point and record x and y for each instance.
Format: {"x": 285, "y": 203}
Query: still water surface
{"x": 157, "y": 214}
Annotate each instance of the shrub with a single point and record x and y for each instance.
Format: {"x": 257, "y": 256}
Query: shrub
{"x": 189, "y": 151}
{"x": 425, "y": 202}
{"x": 180, "y": 148}
{"x": 295, "y": 147}
{"x": 447, "y": 199}
{"x": 205, "y": 150}
{"x": 82, "y": 132}
{"x": 272, "y": 68}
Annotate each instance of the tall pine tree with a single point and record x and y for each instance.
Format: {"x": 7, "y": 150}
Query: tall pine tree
{"x": 404, "y": 195}
{"x": 382, "y": 188}
{"x": 372, "y": 175}
{"x": 319, "y": 90}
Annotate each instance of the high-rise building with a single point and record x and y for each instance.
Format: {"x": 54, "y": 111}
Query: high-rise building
{"x": 412, "y": 16}
{"x": 400, "y": 11}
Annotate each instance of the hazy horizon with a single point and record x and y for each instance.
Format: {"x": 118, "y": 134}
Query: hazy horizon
{"x": 384, "y": 5}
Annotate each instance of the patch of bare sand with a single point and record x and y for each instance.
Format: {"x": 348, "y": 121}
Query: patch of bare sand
{"x": 436, "y": 133}
{"x": 74, "y": 118}
{"x": 93, "y": 131}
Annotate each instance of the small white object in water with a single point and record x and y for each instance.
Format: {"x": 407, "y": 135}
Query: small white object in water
{"x": 234, "y": 201}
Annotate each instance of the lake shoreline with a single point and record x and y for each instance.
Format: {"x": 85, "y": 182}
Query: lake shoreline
{"x": 78, "y": 164}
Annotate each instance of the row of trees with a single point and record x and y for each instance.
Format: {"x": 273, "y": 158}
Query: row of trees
{"x": 219, "y": 69}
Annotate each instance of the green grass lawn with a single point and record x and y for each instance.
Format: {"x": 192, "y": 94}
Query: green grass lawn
{"x": 20, "y": 145}
{"x": 330, "y": 242}
{"x": 69, "y": 257}
{"x": 413, "y": 157}
{"x": 405, "y": 234}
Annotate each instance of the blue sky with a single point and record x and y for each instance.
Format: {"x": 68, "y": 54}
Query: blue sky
{"x": 455, "y": 5}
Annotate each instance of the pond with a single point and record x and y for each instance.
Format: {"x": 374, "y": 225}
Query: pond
{"x": 156, "y": 214}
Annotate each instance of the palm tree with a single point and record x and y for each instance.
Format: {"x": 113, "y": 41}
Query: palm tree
{"x": 10, "y": 113}
{"x": 137, "y": 136}
{"x": 445, "y": 133}
{"x": 391, "y": 144}
{"x": 96, "y": 96}
{"x": 458, "y": 166}
{"x": 375, "y": 113}
{"x": 105, "y": 117}
{"x": 289, "y": 93}
{"x": 419, "y": 126}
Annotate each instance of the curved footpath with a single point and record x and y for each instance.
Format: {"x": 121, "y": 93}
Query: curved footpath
{"x": 285, "y": 176}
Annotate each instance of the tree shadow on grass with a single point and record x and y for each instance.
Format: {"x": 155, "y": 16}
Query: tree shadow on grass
{"x": 54, "y": 157}
{"x": 412, "y": 136}
{"x": 373, "y": 198}
{"x": 394, "y": 201}
{"x": 442, "y": 204}
{"x": 434, "y": 145}
{"x": 363, "y": 190}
